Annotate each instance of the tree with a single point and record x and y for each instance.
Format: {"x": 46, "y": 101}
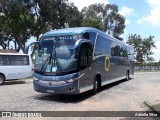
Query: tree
{"x": 148, "y": 44}
{"x": 73, "y": 16}
{"x": 44, "y": 15}
{"x": 53, "y": 14}
{"x": 22, "y": 19}
{"x": 159, "y": 62}
{"x": 107, "y": 18}
{"x": 142, "y": 47}
{"x": 4, "y": 30}
{"x": 114, "y": 22}
{"x": 18, "y": 22}
{"x": 96, "y": 23}
{"x": 2, "y": 34}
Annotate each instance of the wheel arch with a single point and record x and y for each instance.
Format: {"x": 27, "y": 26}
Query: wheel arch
{"x": 3, "y": 75}
{"x": 2, "y": 78}
{"x": 98, "y": 78}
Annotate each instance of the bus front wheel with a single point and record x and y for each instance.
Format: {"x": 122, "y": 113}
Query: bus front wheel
{"x": 2, "y": 79}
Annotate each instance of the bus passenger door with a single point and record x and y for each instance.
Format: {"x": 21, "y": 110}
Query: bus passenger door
{"x": 85, "y": 60}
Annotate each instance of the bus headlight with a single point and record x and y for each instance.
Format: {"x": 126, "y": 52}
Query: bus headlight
{"x": 74, "y": 79}
{"x": 71, "y": 80}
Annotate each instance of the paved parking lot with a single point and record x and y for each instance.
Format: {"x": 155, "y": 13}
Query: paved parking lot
{"x": 120, "y": 96}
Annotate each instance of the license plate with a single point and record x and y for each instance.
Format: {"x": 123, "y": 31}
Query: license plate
{"x": 50, "y": 91}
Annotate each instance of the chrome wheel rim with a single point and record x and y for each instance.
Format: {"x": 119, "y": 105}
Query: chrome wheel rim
{"x": 1, "y": 80}
{"x": 96, "y": 85}
{"x": 127, "y": 76}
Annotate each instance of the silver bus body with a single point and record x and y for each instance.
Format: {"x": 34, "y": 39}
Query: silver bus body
{"x": 14, "y": 66}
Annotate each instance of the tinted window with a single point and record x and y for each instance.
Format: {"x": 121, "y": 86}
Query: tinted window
{"x": 119, "y": 50}
{"x": 102, "y": 46}
{"x": 124, "y": 51}
{"x": 14, "y": 60}
{"x": 130, "y": 53}
{"x": 92, "y": 36}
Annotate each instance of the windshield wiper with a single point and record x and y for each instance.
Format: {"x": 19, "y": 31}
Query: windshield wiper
{"x": 45, "y": 62}
{"x": 54, "y": 56}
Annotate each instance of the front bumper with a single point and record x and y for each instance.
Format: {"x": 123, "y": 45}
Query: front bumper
{"x": 46, "y": 85}
{"x": 71, "y": 88}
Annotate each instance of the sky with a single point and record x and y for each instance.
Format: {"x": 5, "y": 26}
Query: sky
{"x": 142, "y": 18}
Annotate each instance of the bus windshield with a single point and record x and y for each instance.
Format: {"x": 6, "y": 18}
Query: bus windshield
{"x": 56, "y": 54}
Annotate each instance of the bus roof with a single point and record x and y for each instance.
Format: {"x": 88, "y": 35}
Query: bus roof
{"x": 79, "y": 30}
{"x": 71, "y": 31}
{"x": 11, "y": 54}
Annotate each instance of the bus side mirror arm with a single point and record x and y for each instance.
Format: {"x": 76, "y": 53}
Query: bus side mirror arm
{"x": 27, "y": 47}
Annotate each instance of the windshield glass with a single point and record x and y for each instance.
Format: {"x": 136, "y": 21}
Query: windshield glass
{"x": 56, "y": 54}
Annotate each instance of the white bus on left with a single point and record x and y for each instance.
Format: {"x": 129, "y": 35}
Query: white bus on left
{"x": 14, "y": 66}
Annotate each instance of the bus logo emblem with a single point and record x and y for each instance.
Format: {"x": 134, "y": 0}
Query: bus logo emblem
{"x": 50, "y": 83}
{"x": 107, "y": 63}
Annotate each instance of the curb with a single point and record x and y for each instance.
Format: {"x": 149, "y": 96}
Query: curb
{"x": 145, "y": 72}
{"x": 153, "y": 105}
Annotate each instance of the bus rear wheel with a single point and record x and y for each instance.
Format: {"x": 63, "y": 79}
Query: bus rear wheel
{"x": 95, "y": 87}
{"x": 127, "y": 75}
{"x": 2, "y": 79}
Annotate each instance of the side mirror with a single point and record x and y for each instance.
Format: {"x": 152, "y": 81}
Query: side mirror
{"x": 27, "y": 48}
{"x": 85, "y": 55}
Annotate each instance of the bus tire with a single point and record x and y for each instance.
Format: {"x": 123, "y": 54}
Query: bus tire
{"x": 127, "y": 75}
{"x": 2, "y": 79}
{"x": 95, "y": 87}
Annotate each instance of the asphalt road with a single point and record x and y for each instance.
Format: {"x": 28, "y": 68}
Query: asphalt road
{"x": 120, "y": 96}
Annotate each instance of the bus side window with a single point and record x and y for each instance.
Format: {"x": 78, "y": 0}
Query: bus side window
{"x": 102, "y": 46}
{"x": 92, "y": 36}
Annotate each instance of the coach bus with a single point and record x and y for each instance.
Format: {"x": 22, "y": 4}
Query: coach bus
{"x": 75, "y": 60}
{"x": 14, "y": 66}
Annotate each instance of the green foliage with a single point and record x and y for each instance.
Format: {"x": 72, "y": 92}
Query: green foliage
{"x": 17, "y": 22}
{"x": 54, "y": 14}
{"x": 92, "y": 23}
{"x": 142, "y": 47}
{"x": 105, "y": 18}
{"x": 159, "y": 63}
{"x": 21, "y": 19}
{"x": 73, "y": 16}
{"x": 115, "y": 23}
